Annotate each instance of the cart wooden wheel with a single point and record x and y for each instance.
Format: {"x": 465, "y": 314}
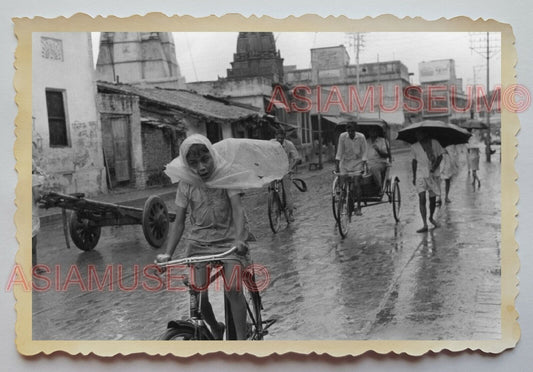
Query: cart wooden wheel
{"x": 396, "y": 199}
{"x": 155, "y": 221}
{"x": 83, "y": 232}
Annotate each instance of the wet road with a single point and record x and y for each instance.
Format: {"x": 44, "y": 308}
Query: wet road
{"x": 384, "y": 281}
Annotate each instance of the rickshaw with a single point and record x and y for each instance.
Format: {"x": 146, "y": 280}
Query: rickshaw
{"x": 342, "y": 195}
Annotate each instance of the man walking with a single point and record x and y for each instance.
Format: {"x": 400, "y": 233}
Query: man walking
{"x": 427, "y": 155}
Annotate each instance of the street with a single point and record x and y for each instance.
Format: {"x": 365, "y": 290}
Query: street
{"x": 384, "y": 281}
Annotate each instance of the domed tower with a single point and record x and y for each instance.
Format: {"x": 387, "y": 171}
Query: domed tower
{"x": 139, "y": 58}
{"x": 256, "y": 56}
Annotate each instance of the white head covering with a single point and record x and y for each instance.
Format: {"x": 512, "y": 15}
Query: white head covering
{"x": 239, "y": 163}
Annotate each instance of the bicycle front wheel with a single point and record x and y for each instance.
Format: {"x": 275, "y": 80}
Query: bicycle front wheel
{"x": 274, "y": 211}
{"x": 343, "y": 212}
{"x": 184, "y": 332}
{"x": 256, "y": 333}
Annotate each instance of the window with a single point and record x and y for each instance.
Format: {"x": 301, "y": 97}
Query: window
{"x": 57, "y": 123}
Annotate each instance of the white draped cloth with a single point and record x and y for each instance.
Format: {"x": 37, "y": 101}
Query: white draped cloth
{"x": 240, "y": 163}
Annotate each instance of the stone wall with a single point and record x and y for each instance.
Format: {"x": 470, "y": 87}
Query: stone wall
{"x": 157, "y": 152}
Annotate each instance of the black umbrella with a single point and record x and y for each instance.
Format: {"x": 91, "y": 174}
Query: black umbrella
{"x": 473, "y": 124}
{"x": 446, "y": 134}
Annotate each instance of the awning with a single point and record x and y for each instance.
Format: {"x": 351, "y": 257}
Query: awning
{"x": 334, "y": 119}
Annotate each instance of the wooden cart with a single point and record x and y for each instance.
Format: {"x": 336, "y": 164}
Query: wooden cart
{"x": 89, "y": 216}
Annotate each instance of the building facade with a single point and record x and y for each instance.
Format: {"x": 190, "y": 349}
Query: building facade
{"x": 332, "y": 87}
{"x": 67, "y": 139}
{"x": 143, "y": 128}
{"x": 257, "y": 66}
{"x": 442, "y": 92}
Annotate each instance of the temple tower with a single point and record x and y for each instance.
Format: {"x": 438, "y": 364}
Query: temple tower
{"x": 139, "y": 58}
{"x": 256, "y": 56}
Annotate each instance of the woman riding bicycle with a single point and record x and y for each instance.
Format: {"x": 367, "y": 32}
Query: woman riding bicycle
{"x": 217, "y": 222}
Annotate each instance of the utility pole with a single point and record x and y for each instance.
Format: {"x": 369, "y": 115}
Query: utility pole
{"x": 487, "y": 146}
{"x": 483, "y": 47}
{"x": 319, "y": 118}
{"x": 474, "y": 105}
{"x": 379, "y": 77}
{"x": 356, "y": 40}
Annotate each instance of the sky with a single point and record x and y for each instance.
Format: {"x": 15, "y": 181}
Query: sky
{"x": 205, "y": 56}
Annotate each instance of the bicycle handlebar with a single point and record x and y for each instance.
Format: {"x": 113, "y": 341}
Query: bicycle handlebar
{"x": 350, "y": 174}
{"x": 197, "y": 259}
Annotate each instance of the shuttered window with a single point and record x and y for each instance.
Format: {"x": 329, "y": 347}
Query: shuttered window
{"x": 57, "y": 123}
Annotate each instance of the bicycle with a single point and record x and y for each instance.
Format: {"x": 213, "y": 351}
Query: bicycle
{"x": 277, "y": 203}
{"x": 195, "y": 327}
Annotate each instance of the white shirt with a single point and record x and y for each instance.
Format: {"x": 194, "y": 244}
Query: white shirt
{"x": 290, "y": 149}
{"x": 351, "y": 152}
{"x": 422, "y": 159}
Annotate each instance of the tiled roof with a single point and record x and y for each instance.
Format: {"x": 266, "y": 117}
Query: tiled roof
{"x": 183, "y": 100}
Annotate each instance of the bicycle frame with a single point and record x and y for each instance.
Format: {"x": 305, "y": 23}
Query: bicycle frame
{"x": 196, "y": 323}
{"x": 276, "y": 186}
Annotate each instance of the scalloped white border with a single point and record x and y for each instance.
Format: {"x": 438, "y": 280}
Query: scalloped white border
{"x": 235, "y": 22}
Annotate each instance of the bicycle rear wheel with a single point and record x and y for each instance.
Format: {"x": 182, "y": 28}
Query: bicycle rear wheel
{"x": 274, "y": 210}
{"x": 335, "y": 196}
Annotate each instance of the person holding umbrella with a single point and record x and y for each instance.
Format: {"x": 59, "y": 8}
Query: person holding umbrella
{"x": 427, "y": 155}
{"x": 427, "y": 139}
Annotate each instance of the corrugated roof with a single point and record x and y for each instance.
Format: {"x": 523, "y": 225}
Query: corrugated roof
{"x": 184, "y": 100}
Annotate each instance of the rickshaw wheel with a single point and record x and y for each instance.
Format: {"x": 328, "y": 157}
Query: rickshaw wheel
{"x": 396, "y": 199}
{"x": 335, "y": 196}
{"x": 84, "y": 235}
{"x": 388, "y": 190}
{"x": 155, "y": 221}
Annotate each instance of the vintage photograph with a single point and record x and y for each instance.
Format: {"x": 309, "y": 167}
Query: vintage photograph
{"x": 266, "y": 186}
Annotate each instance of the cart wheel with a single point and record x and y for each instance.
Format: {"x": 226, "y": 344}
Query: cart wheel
{"x": 335, "y": 196}
{"x": 343, "y": 212}
{"x": 396, "y": 199}
{"x": 83, "y": 233}
{"x": 155, "y": 221}
{"x": 274, "y": 210}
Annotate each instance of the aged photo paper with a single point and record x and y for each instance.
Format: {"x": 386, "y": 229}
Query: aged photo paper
{"x": 384, "y": 222}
